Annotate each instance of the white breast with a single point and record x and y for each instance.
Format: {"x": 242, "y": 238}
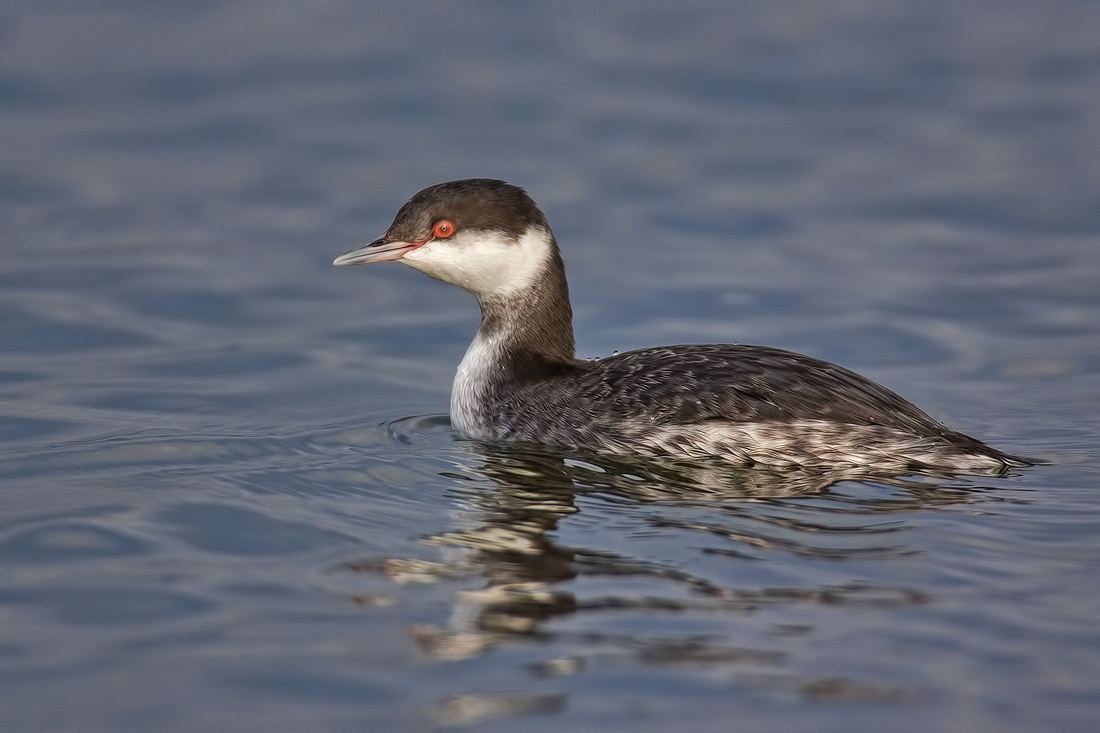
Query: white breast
{"x": 469, "y": 415}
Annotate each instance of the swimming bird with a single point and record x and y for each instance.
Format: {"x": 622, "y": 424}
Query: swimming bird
{"x": 520, "y": 379}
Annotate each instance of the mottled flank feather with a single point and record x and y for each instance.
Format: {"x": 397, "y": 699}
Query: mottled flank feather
{"x": 749, "y": 405}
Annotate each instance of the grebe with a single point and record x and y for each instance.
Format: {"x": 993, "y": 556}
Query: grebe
{"x": 750, "y": 405}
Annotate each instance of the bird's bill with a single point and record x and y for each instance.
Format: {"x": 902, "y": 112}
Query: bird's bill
{"x": 380, "y": 250}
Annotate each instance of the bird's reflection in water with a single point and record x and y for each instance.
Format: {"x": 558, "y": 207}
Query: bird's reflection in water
{"x": 521, "y": 494}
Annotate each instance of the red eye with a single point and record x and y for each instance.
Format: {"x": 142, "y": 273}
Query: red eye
{"x": 443, "y": 229}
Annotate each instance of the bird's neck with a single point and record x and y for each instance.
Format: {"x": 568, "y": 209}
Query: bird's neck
{"x": 535, "y": 322}
{"x": 526, "y": 334}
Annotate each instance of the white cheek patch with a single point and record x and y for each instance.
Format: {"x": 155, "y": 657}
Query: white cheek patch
{"x": 485, "y": 263}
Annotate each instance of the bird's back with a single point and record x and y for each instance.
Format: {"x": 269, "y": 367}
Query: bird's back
{"x": 683, "y": 400}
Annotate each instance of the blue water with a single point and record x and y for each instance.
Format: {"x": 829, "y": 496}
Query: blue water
{"x": 229, "y": 494}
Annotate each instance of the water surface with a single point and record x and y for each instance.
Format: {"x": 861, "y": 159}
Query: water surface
{"x": 231, "y": 498}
